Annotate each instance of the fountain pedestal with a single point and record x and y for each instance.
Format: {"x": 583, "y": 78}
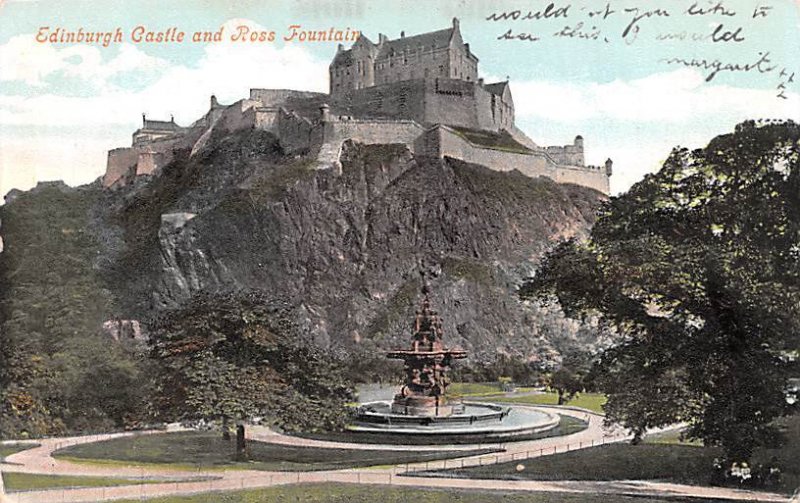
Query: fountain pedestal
{"x": 426, "y": 366}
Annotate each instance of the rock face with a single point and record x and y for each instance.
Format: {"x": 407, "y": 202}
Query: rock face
{"x": 345, "y": 246}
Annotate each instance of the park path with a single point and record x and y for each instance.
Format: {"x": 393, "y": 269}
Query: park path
{"x": 40, "y": 460}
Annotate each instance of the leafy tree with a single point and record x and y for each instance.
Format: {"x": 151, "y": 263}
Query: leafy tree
{"x": 697, "y": 269}
{"x": 57, "y": 372}
{"x": 236, "y": 356}
{"x": 566, "y": 383}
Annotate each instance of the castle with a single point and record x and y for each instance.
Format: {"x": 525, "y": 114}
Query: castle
{"x": 422, "y": 91}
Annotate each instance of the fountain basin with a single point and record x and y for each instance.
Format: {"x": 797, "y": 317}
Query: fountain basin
{"x": 477, "y": 418}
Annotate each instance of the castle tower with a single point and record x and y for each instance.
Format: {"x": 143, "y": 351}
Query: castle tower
{"x": 354, "y": 68}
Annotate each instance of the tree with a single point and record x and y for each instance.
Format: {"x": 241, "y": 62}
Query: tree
{"x": 237, "y": 356}
{"x": 566, "y": 383}
{"x": 697, "y": 270}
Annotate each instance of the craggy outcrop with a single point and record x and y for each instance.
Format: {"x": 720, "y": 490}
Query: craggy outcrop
{"x": 344, "y": 246}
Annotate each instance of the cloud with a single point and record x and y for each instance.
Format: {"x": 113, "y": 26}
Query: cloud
{"x": 80, "y": 129}
{"x": 30, "y": 62}
{"x": 638, "y": 122}
{"x": 227, "y": 69}
{"x": 673, "y": 97}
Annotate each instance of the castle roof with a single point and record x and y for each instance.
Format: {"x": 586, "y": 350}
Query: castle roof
{"x": 160, "y": 125}
{"x": 346, "y": 57}
{"x": 433, "y": 40}
{"x": 343, "y": 58}
{"x": 497, "y": 88}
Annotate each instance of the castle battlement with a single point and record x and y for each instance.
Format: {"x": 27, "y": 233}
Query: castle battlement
{"x": 422, "y": 91}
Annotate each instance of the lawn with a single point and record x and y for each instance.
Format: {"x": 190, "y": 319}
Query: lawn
{"x": 9, "y": 449}
{"x": 662, "y": 457}
{"x": 351, "y": 493}
{"x": 15, "y": 482}
{"x": 209, "y": 450}
{"x": 591, "y": 401}
{"x": 566, "y": 426}
{"x": 474, "y": 388}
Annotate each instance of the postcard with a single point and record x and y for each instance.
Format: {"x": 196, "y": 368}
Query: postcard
{"x": 362, "y": 250}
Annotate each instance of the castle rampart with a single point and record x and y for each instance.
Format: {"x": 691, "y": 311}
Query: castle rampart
{"x": 443, "y": 141}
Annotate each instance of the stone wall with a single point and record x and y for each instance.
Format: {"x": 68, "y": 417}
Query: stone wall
{"x": 413, "y": 65}
{"x": 450, "y": 101}
{"x": 151, "y": 161}
{"x": 297, "y": 134}
{"x": 400, "y": 100}
{"x": 120, "y": 164}
{"x": 446, "y": 142}
{"x": 590, "y": 176}
{"x": 235, "y": 117}
{"x": 571, "y": 155}
{"x": 278, "y": 97}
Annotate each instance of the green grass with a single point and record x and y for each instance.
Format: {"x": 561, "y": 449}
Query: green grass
{"x": 474, "y": 388}
{"x": 490, "y": 139}
{"x": 672, "y": 437}
{"x": 351, "y": 493}
{"x": 590, "y": 401}
{"x": 566, "y": 426}
{"x": 7, "y": 450}
{"x": 15, "y": 482}
{"x": 662, "y": 457}
{"x": 209, "y": 450}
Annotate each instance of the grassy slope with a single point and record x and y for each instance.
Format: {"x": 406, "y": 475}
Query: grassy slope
{"x": 15, "y": 482}
{"x": 209, "y": 450}
{"x": 591, "y": 401}
{"x": 662, "y": 458}
{"x": 348, "y": 493}
{"x": 9, "y": 449}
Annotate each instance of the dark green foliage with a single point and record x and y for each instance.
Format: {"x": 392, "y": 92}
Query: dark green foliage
{"x": 239, "y": 356}
{"x": 58, "y": 373}
{"x": 566, "y": 383}
{"x": 697, "y": 267}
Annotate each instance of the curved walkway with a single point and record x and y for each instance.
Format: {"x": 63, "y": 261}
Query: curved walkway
{"x": 40, "y": 460}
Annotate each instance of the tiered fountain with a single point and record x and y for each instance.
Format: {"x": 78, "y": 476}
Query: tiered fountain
{"x": 422, "y": 405}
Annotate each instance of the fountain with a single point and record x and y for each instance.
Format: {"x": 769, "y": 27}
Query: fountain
{"x": 422, "y": 405}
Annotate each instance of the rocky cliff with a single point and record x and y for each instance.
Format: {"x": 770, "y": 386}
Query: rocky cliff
{"x": 344, "y": 246}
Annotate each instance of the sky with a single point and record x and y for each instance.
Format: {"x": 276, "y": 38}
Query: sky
{"x": 616, "y": 81}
